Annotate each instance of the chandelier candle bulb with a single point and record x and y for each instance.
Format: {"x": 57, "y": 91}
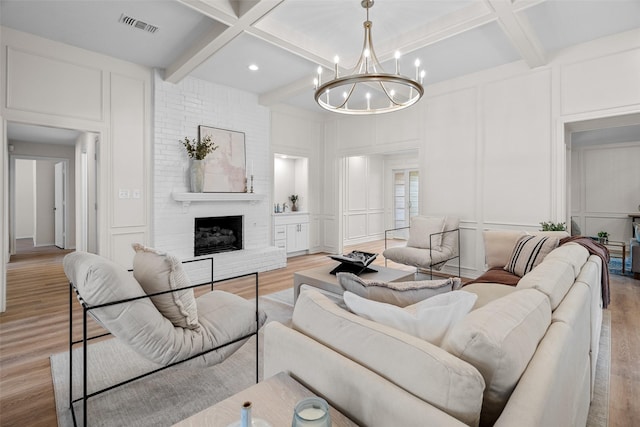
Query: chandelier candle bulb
{"x": 319, "y": 75}
{"x": 397, "y": 57}
{"x": 368, "y": 101}
{"x": 336, "y": 60}
{"x": 417, "y": 64}
{"x": 422, "y": 74}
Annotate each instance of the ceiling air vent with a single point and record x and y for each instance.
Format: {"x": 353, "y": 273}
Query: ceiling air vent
{"x": 136, "y": 23}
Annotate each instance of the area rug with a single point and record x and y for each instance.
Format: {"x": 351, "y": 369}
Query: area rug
{"x": 172, "y": 395}
{"x": 161, "y": 399}
{"x": 615, "y": 267}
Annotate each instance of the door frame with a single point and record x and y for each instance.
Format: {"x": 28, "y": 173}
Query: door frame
{"x": 64, "y": 190}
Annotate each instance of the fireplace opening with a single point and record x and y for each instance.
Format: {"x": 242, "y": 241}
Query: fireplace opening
{"x": 217, "y": 234}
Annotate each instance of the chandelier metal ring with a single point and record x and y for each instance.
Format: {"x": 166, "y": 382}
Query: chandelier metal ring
{"x": 367, "y": 76}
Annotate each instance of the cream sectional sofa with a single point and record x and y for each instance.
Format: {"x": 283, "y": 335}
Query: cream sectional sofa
{"x": 524, "y": 356}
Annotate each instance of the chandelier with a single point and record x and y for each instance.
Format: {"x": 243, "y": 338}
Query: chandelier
{"x": 368, "y": 89}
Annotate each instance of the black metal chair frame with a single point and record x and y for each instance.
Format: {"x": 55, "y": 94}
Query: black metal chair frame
{"x": 86, "y": 309}
{"x": 442, "y": 233}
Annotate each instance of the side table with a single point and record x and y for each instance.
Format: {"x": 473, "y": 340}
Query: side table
{"x": 623, "y": 250}
{"x": 272, "y": 400}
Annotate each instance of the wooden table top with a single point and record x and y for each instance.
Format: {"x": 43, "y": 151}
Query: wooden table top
{"x": 272, "y": 400}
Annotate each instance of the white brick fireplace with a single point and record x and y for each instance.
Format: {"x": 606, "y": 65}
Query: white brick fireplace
{"x": 179, "y": 110}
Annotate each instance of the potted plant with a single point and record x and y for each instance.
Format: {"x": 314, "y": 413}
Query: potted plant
{"x": 197, "y": 150}
{"x": 294, "y": 199}
{"x": 603, "y": 237}
{"x": 553, "y": 226}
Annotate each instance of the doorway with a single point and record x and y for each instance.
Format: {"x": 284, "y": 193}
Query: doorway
{"x": 69, "y": 180}
{"x": 38, "y": 207}
{"x": 602, "y": 177}
{"x": 405, "y": 196}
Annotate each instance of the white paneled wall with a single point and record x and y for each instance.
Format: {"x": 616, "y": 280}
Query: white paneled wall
{"x": 179, "y": 110}
{"x": 605, "y": 188}
{"x": 301, "y": 134}
{"x": 491, "y": 144}
{"x": 364, "y": 210}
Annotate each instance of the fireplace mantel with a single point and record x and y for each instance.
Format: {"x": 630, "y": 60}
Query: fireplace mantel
{"x": 188, "y": 198}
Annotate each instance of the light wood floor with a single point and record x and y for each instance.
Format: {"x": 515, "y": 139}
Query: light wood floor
{"x": 35, "y": 326}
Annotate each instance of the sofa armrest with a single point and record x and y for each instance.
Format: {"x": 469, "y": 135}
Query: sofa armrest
{"x": 365, "y": 397}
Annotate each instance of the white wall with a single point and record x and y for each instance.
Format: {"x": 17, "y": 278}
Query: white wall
{"x": 179, "y": 110}
{"x": 25, "y": 199}
{"x": 45, "y": 193}
{"x": 299, "y": 133}
{"x": 364, "y": 209}
{"x": 53, "y": 84}
{"x": 492, "y": 144}
{"x": 605, "y": 188}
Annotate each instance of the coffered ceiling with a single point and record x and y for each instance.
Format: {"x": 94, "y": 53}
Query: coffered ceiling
{"x": 216, "y": 40}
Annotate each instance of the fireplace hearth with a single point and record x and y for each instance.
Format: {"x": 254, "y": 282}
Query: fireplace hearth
{"x": 217, "y": 234}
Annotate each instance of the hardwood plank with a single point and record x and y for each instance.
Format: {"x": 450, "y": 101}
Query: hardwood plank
{"x": 36, "y": 326}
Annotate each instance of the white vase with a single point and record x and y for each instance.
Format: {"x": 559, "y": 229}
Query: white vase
{"x": 196, "y": 173}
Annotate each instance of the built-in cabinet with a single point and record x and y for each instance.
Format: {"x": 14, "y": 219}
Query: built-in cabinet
{"x": 291, "y": 232}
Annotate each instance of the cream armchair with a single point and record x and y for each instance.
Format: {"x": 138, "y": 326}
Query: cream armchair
{"x": 433, "y": 241}
{"x": 153, "y": 310}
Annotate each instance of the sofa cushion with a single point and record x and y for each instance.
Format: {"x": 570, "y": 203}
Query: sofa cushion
{"x": 528, "y": 252}
{"x": 423, "y": 369}
{"x": 500, "y": 339}
{"x": 157, "y": 272}
{"x": 422, "y": 228}
{"x": 572, "y": 253}
{"x": 553, "y": 278}
{"x": 396, "y": 293}
{"x": 488, "y": 292}
{"x": 429, "y": 319}
{"x": 498, "y": 246}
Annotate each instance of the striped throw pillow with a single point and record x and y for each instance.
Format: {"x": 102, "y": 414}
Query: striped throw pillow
{"x": 529, "y": 252}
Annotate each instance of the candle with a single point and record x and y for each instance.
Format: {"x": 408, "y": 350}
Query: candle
{"x": 311, "y": 414}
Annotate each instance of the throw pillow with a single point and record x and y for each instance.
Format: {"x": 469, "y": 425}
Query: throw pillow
{"x": 401, "y": 294}
{"x": 421, "y": 228}
{"x": 157, "y": 272}
{"x": 429, "y": 319}
{"x": 529, "y": 252}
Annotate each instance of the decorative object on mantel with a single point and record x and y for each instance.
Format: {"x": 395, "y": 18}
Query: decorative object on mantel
{"x": 225, "y": 170}
{"x": 368, "y": 89}
{"x": 198, "y": 149}
{"x": 294, "y": 200}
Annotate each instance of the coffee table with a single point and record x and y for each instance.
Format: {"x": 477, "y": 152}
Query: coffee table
{"x": 321, "y": 278}
{"x": 272, "y": 400}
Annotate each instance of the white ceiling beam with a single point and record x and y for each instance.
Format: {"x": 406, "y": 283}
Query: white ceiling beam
{"x": 519, "y": 33}
{"x": 216, "y": 39}
{"x": 466, "y": 19}
{"x": 214, "y": 10}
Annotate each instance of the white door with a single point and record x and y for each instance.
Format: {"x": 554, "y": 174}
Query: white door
{"x": 59, "y": 204}
{"x": 405, "y": 199}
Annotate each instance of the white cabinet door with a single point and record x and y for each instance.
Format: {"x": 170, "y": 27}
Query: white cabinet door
{"x": 297, "y": 237}
{"x": 303, "y": 237}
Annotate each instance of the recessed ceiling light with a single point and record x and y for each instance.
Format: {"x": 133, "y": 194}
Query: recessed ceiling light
{"x": 254, "y": 67}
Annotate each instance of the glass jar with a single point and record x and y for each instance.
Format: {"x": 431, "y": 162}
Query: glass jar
{"x": 311, "y": 412}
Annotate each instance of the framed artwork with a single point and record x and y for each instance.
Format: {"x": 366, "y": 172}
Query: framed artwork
{"x": 225, "y": 168}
